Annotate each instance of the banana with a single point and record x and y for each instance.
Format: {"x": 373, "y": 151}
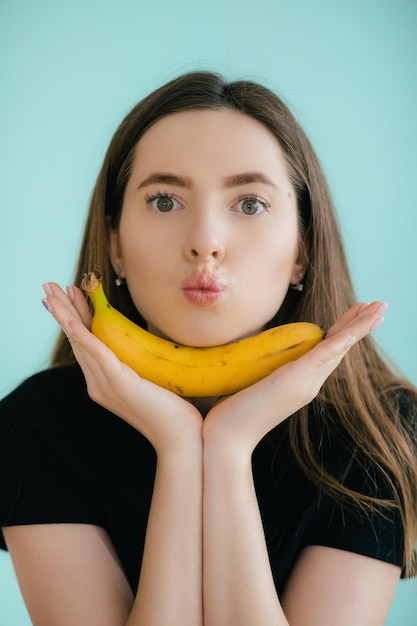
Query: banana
{"x": 190, "y": 371}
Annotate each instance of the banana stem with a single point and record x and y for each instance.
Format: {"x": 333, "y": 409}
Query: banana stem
{"x": 91, "y": 281}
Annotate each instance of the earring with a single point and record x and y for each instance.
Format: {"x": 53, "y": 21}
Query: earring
{"x": 298, "y": 286}
{"x": 119, "y": 281}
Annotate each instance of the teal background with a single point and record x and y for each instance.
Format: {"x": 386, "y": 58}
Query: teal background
{"x": 70, "y": 71}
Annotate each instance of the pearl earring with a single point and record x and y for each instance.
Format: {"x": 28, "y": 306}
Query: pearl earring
{"x": 298, "y": 286}
{"x": 119, "y": 281}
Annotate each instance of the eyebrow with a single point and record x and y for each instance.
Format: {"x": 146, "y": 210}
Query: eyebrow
{"x": 247, "y": 178}
{"x": 237, "y": 180}
{"x": 165, "y": 179}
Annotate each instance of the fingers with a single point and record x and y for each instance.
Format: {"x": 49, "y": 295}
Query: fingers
{"x": 80, "y": 303}
{"x": 350, "y": 328}
{"x": 97, "y": 362}
{"x": 66, "y": 306}
{"x": 356, "y": 315}
{"x": 59, "y": 305}
{"x": 347, "y": 317}
{"x": 65, "y": 312}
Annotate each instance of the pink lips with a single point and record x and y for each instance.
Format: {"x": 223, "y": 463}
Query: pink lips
{"x": 202, "y": 289}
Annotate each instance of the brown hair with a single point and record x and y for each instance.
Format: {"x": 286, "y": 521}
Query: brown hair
{"x": 361, "y": 399}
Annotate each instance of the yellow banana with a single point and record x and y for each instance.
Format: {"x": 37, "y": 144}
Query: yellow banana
{"x": 190, "y": 371}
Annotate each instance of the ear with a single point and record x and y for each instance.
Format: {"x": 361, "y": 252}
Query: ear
{"x": 115, "y": 251}
{"x": 300, "y": 266}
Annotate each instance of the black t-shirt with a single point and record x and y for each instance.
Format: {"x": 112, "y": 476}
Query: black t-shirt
{"x": 63, "y": 458}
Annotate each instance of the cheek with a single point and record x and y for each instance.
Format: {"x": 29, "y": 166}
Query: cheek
{"x": 137, "y": 244}
{"x": 272, "y": 273}
{"x": 276, "y": 260}
{"x": 145, "y": 258}
{"x": 264, "y": 281}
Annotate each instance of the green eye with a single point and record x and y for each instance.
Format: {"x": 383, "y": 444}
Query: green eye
{"x": 250, "y": 206}
{"x": 164, "y": 204}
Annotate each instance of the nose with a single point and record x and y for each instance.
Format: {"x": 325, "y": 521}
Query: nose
{"x": 205, "y": 242}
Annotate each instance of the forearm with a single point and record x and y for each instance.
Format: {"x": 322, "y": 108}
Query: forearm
{"x": 238, "y": 586}
{"x": 170, "y": 582}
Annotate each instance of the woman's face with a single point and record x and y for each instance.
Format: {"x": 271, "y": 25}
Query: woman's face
{"x": 208, "y": 238}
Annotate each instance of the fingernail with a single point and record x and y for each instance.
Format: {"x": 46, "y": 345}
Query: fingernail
{"x": 47, "y": 289}
{"x": 382, "y": 308}
{"x": 377, "y": 323}
{"x": 46, "y": 305}
{"x": 71, "y": 293}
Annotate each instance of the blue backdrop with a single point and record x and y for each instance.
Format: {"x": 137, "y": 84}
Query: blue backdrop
{"x": 71, "y": 70}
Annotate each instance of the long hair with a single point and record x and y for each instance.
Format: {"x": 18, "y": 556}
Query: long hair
{"x": 363, "y": 392}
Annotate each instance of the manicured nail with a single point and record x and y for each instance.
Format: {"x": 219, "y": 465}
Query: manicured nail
{"x": 47, "y": 289}
{"x": 46, "y": 305}
{"x": 71, "y": 293}
{"x": 382, "y": 308}
{"x": 377, "y": 323}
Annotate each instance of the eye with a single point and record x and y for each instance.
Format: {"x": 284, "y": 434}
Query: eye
{"x": 162, "y": 202}
{"x": 251, "y": 205}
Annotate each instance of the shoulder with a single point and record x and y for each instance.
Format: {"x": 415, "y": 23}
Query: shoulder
{"x": 41, "y": 398}
{"x": 53, "y": 407}
{"x": 41, "y": 408}
{"x": 52, "y": 410}
{"x": 55, "y": 382}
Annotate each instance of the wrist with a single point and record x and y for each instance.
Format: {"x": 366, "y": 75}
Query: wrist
{"x": 225, "y": 456}
{"x": 185, "y": 448}
{"x": 225, "y": 441}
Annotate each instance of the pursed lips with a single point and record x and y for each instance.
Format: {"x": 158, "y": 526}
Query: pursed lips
{"x": 202, "y": 288}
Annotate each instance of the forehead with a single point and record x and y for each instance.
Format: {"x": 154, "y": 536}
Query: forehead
{"x": 225, "y": 135}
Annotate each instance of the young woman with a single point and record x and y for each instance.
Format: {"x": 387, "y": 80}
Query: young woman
{"x": 293, "y": 501}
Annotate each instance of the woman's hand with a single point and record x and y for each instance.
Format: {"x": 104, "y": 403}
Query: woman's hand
{"x": 243, "y": 419}
{"x": 172, "y": 553}
{"x": 162, "y": 417}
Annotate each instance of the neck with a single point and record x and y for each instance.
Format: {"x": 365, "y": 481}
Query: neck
{"x": 205, "y": 404}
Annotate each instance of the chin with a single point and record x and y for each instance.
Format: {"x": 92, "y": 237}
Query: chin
{"x": 201, "y": 334}
{"x": 195, "y": 339}
{"x": 209, "y": 340}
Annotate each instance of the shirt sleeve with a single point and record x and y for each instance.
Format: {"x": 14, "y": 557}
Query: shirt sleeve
{"x": 375, "y": 532}
{"x": 38, "y": 481}
{"x": 374, "y": 529}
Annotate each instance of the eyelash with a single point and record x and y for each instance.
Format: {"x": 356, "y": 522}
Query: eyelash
{"x": 149, "y": 198}
{"x": 252, "y": 197}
